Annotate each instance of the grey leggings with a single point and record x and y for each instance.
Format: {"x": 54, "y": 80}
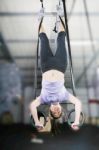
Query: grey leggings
{"x": 50, "y": 61}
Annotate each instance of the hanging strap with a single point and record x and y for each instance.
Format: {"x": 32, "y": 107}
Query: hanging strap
{"x": 36, "y": 61}
{"x": 62, "y": 23}
{"x": 69, "y": 48}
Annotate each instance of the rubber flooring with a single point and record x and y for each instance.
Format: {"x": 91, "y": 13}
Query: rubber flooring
{"x": 24, "y": 137}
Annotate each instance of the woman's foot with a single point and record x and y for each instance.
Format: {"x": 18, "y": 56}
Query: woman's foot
{"x": 60, "y": 11}
{"x": 41, "y": 14}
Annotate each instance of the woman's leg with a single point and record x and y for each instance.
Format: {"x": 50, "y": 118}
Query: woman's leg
{"x": 45, "y": 51}
{"x": 61, "y": 52}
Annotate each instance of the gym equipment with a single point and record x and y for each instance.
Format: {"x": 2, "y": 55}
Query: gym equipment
{"x": 69, "y": 47}
{"x": 70, "y": 118}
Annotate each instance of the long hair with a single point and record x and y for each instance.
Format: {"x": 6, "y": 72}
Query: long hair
{"x": 57, "y": 122}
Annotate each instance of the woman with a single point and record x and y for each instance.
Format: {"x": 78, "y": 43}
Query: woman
{"x": 53, "y": 91}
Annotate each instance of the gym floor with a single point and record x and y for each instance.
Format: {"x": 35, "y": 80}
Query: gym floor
{"x": 19, "y": 136}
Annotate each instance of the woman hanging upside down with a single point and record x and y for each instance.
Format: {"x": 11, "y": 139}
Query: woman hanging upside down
{"x": 53, "y": 91}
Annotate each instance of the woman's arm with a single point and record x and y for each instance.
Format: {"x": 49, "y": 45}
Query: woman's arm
{"x": 78, "y": 108}
{"x": 33, "y": 109}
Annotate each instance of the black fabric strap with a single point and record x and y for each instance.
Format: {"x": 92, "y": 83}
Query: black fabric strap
{"x": 36, "y": 62}
{"x": 69, "y": 48}
{"x": 62, "y": 23}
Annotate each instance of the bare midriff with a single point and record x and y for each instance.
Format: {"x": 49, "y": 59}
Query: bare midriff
{"x": 53, "y": 75}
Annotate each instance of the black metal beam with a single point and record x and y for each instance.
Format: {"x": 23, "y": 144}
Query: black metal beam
{"x": 28, "y": 14}
{"x": 13, "y": 41}
{"x": 25, "y": 40}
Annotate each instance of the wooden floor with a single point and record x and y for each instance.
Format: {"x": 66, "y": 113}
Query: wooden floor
{"x": 20, "y": 137}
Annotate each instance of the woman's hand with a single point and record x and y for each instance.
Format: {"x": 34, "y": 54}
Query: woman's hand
{"x": 39, "y": 126}
{"x": 75, "y": 126}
